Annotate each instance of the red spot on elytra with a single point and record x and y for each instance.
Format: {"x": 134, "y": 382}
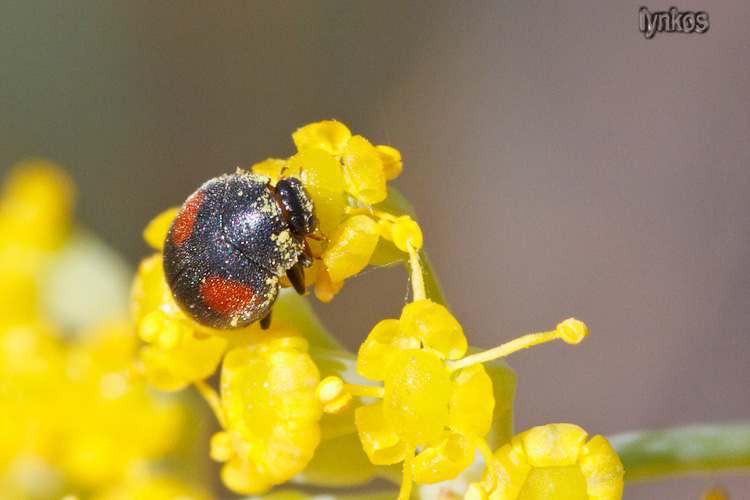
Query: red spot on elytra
{"x": 182, "y": 227}
{"x": 227, "y": 297}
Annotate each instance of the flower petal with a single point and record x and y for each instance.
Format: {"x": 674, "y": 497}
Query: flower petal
{"x": 363, "y": 171}
{"x": 436, "y": 327}
{"x": 382, "y": 344}
{"x": 472, "y": 402}
{"x": 351, "y": 247}
{"x": 444, "y": 459}
{"x": 417, "y": 390}
{"x": 379, "y": 440}
{"x": 328, "y": 134}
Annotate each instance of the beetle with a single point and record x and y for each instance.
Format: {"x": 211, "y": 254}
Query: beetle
{"x": 231, "y": 242}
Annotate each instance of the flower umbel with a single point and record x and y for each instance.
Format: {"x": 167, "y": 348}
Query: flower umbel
{"x": 433, "y": 397}
{"x": 416, "y": 405}
{"x": 436, "y": 406}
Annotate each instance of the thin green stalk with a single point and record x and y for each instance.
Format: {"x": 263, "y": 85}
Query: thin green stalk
{"x": 693, "y": 449}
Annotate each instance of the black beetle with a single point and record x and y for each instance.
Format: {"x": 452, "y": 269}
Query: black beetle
{"x": 230, "y": 243}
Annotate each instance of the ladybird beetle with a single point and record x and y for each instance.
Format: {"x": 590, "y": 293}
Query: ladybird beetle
{"x": 230, "y": 243}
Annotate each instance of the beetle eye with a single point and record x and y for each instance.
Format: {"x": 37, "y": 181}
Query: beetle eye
{"x": 299, "y": 206}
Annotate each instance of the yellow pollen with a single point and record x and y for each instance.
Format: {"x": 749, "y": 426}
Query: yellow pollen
{"x": 331, "y": 393}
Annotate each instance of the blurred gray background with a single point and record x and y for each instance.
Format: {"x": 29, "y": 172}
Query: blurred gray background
{"x": 560, "y": 164}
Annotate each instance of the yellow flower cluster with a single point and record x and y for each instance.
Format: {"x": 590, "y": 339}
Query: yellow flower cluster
{"x": 78, "y": 420}
{"x": 344, "y": 175}
{"x": 74, "y": 419}
{"x": 433, "y": 398}
{"x": 416, "y": 396}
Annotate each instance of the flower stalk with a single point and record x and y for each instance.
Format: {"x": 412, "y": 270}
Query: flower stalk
{"x": 693, "y": 449}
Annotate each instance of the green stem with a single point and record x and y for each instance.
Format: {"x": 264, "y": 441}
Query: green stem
{"x": 703, "y": 448}
{"x": 431, "y": 284}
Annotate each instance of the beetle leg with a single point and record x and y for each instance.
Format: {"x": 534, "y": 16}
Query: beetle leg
{"x": 305, "y": 260}
{"x": 297, "y": 276}
{"x": 306, "y": 257}
{"x": 315, "y": 237}
{"x": 265, "y": 321}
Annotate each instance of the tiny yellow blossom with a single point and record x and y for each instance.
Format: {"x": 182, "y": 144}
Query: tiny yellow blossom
{"x": 77, "y": 407}
{"x": 363, "y": 171}
{"x": 421, "y": 406}
{"x": 333, "y": 396}
{"x": 75, "y": 415}
{"x": 553, "y": 461}
{"x": 433, "y": 397}
{"x": 271, "y": 411}
{"x": 35, "y": 205}
{"x": 405, "y": 230}
{"x": 435, "y": 327}
{"x": 391, "y": 159}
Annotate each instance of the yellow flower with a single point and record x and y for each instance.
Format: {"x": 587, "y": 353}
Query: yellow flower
{"x": 422, "y": 405}
{"x": 270, "y": 411}
{"x": 35, "y": 205}
{"x": 366, "y": 167}
{"x": 552, "y": 461}
{"x": 108, "y": 422}
{"x": 77, "y": 407}
{"x": 351, "y": 246}
{"x": 433, "y": 397}
{"x": 75, "y": 415}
